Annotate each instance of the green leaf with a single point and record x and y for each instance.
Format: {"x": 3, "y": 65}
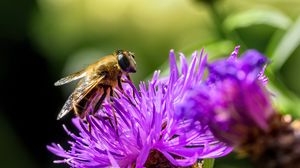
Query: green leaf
{"x": 208, "y": 163}
{"x": 251, "y": 17}
{"x": 274, "y": 41}
{"x": 286, "y": 102}
{"x": 288, "y": 44}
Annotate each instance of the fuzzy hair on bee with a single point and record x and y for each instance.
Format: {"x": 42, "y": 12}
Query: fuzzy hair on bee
{"x": 97, "y": 82}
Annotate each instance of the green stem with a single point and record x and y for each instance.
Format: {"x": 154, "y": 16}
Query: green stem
{"x": 218, "y": 20}
{"x": 208, "y": 163}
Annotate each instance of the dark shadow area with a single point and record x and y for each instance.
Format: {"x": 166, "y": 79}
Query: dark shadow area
{"x": 28, "y": 101}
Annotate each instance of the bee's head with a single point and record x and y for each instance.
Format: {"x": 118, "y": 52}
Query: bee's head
{"x": 126, "y": 61}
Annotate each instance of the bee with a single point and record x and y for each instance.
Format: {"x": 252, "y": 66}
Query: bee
{"x": 97, "y": 82}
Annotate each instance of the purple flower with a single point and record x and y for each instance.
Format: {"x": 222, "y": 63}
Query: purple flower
{"x": 233, "y": 100}
{"x": 146, "y": 132}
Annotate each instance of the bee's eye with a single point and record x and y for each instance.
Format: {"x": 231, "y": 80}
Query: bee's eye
{"x": 123, "y": 62}
{"x": 127, "y": 62}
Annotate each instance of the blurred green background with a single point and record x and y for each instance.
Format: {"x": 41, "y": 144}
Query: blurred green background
{"x": 43, "y": 40}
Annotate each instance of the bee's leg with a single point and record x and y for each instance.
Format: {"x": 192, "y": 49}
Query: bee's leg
{"x": 116, "y": 121}
{"x": 99, "y": 103}
{"x": 76, "y": 110}
{"x": 111, "y": 91}
{"x": 133, "y": 94}
{"x": 107, "y": 117}
{"x": 123, "y": 92}
{"x": 113, "y": 111}
{"x": 116, "y": 95}
{"x": 91, "y": 110}
{"x": 105, "y": 90}
{"x": 128, "y": 77}
{"x": 121, "y": 87}
{"x": 120, "y": 84}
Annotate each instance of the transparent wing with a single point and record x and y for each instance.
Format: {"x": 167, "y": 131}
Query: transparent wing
{"x": 70, "y": 78}
{"x": 79, "y": 93}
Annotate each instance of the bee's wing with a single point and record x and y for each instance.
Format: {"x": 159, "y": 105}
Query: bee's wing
{"x": 70, "y": 78}
{"x": 80, "y": 92}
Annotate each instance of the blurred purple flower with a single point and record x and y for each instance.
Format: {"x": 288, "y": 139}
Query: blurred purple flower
{"x": 233, "y": 99}
{"x": 146, "y": 127}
